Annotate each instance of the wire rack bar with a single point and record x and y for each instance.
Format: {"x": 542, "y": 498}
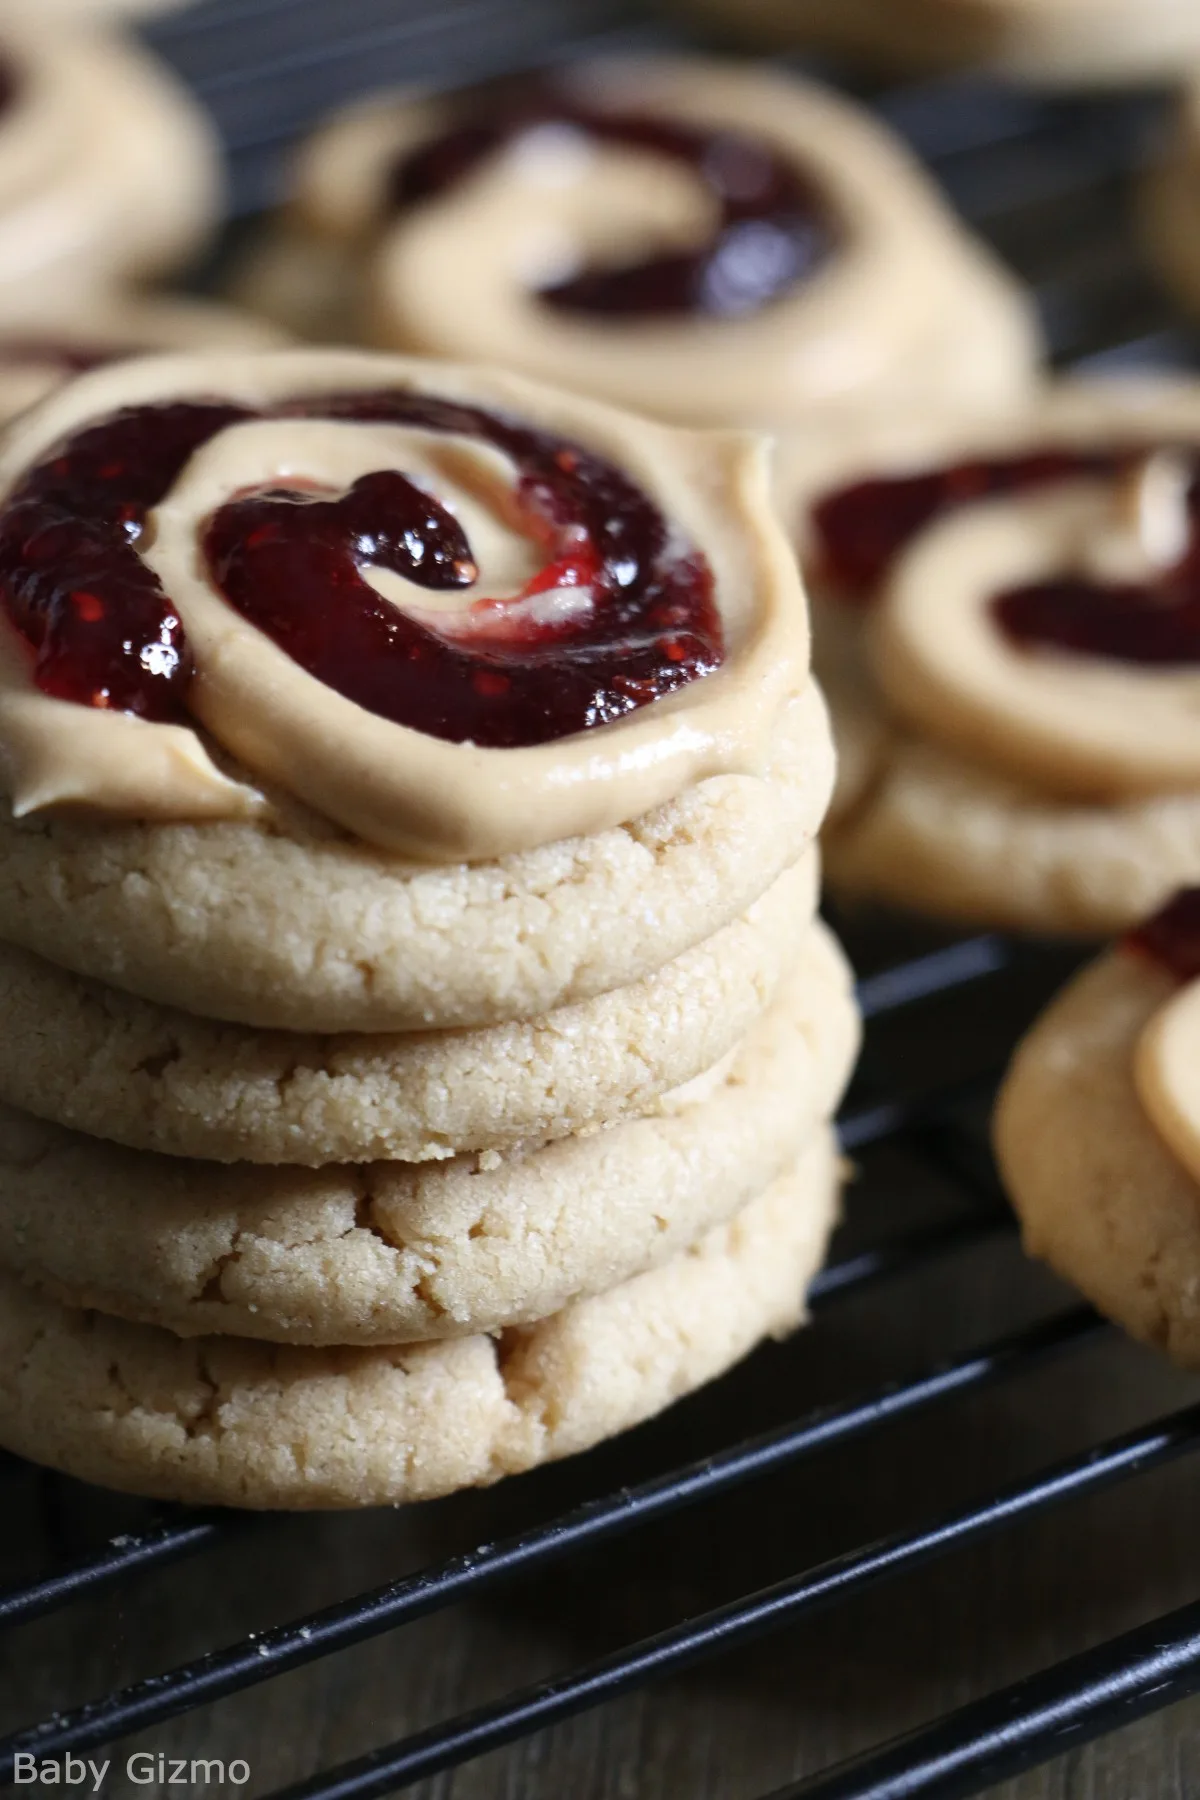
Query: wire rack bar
{"x": 1000, "y": 1737}
{"x": 261, "y": 1657}
{"x": 922, "y": 977}
{"x": 121, "y": 1556}
{"x": 546, "y": 1703}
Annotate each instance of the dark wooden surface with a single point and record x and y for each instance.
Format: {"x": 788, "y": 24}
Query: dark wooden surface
{"x": 1051, "y": 184}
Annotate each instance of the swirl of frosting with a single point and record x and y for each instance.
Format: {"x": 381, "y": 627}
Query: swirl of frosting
{"x": 696, "y": 240}
{"x": 457, "y": 614}
{"x": 1026, "y": 590}
{"x": 107, "y": 170}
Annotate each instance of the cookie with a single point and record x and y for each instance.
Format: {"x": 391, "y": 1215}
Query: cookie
{"x": 1101, "y": 1194}
{"x": 124, "y": 1069}
{"x": 600, "y": 232}
{"x": 291, "y": 925}
{"x": 1020, "y": 717}
{"x": 236, "y": 1423}
{"x": 662, "y": 646}
{"x": 108, "y": 168}
{"x": 393, "y": 1252}
{"x": 1053, "y": 41}
{"x": 961, "y": 843}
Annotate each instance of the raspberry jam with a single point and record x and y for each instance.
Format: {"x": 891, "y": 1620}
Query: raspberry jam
{"x": 616, "y": 616}
{"x": 1171, "y": 937}
{"x": 771, "y": 231}
{"x": 861, "y": 530}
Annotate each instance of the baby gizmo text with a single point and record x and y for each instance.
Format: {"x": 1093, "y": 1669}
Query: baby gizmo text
{"x": 143, "y": 1768}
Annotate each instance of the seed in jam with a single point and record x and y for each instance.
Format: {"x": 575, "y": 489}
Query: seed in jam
{"x": 771, "y": 230}
{"x": 616, "y": 617}
{"x": 1171, "y": 938}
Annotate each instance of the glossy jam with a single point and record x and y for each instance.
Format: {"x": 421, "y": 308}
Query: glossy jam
{"x": 770, "y": 233}
{"x": 1172, "y": 937}
{"x": 616, "y": 616}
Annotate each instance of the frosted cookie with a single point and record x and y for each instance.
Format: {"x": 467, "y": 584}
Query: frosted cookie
{"x": 237, "y": 1423}
{"x": 108, "y": 170}
{"x": 1006, "y": 623}
{"x": 553, "y": 732}
{"x": 1070, "y": 41}
{"x": 1098, "y": 1132}
{"x": 1171, "y": 199}
{"x": 701, "y": 241}
{"x": 122, "y": 1068}
{"x": 392, "y": 1252}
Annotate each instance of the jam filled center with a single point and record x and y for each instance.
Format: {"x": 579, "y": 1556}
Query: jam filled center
{"x": 771, "y": 230}
{"x": 861, "y": 530}
{"x": 616, "y": 615}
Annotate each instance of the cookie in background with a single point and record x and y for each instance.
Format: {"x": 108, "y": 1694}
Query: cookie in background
{"x": 1007, "y": 624}
{"x": 1069, "y": 42}
{"x": 1097, "y": 1131}
{"x": 706, "y": 242}
{"x": 109, "y": 171}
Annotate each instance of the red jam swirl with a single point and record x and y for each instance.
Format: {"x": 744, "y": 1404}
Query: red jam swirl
{"x": 771, "y": 230}
{"x": 497, "y": 673}
{"x": 1171, "y": 938}
{"x": 861, "y": 530}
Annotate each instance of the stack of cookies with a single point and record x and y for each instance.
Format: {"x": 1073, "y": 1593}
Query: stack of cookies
{"x": 391, "y": 1106}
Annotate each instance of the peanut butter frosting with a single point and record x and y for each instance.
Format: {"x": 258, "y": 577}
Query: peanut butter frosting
{"x": 1166, "y": 1058}
{"x": 257, "y": 716}
{"x": 1068, "y": 723}
{"x": 903, "y": 304}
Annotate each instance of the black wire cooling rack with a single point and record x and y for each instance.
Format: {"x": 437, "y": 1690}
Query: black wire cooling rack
{"x": 1048, "y": 180}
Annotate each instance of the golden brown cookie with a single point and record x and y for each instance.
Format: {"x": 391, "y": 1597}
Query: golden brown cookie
{"x": 236, "y": 1423}
{"x": 525, "y": 792}
{"x": 700, "y": 240}
{"x": 998, "y": 774}
{"x": 156, "y": 1079}
{"x": 391, "y": 1252}
{"x": 1102, "y": 1194}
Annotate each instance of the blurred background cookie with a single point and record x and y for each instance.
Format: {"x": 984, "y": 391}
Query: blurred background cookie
{"x": 1097, "y": 1131}
{"x": 706, "y": 242}
{"x": 1006, "y": 622}
{"x": 108, "y": 169}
